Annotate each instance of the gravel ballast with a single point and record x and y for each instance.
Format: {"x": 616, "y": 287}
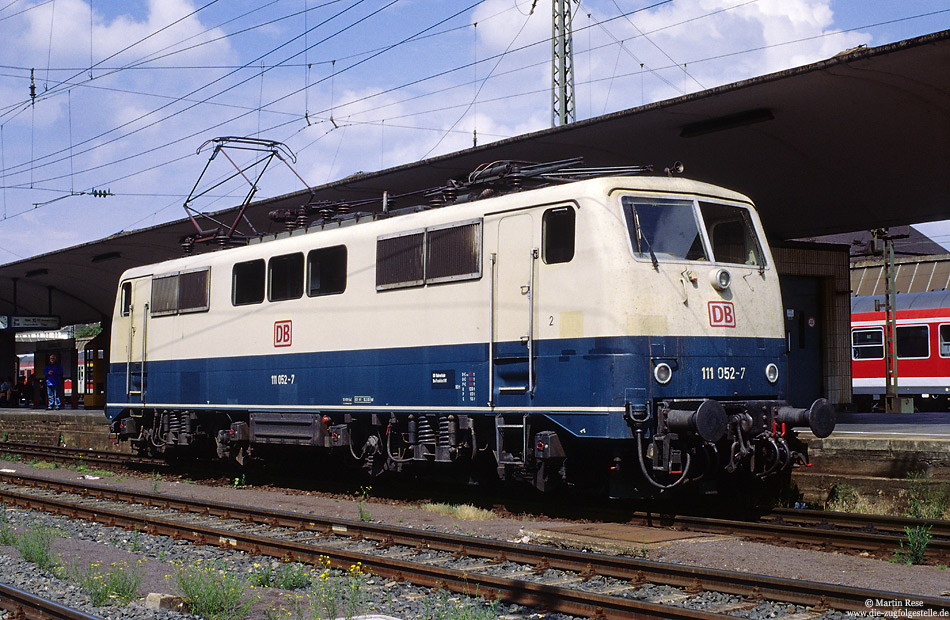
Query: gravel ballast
{"x": 81, "y": 543}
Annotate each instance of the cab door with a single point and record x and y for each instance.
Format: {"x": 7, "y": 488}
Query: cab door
{"x": 136, "y": 305}
{"x": 515, "y": 267}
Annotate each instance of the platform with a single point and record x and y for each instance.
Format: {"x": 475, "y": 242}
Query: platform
{"x": 76, "y": 428}
{"x": 873, "y": 455}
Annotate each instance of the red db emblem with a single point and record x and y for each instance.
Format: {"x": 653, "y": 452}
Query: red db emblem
{"x": 283, "y": 333}
{"x": 722, "y": 314}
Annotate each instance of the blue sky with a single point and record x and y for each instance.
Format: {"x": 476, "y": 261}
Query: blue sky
{"x": 126, "y": 92}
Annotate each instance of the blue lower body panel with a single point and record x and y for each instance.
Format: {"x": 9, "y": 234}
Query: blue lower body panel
{"x": 581, "y": 384}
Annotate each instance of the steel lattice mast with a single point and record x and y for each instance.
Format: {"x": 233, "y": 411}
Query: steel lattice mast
{"x": 562, "y": 66}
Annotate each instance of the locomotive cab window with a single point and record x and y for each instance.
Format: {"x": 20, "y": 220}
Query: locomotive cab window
{"x": 867, "y": 344}
{"x": 663, "y": 229}
{"x": 326, "y": 271}
{"x": 247, "y": 282}
{"x": 913, "y": 342}
{"x": 731, "y": 234}
{"x": 285, "y": 277}
{"x": 125, "y": 299}
{"x": 945, "y": 340}
{"x": 557, "y": 235}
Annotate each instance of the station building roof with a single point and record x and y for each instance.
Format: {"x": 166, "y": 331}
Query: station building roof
{"x": 857, "y": 141}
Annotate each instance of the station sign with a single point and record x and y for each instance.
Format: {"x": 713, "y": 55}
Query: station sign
{"x": 28, "y": 322}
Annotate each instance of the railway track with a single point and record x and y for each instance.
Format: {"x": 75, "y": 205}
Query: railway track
{"x": 861, "y": 533}
{"x": 571, "y": 582}
{"x": 62, "y": 454}
{"x": 28, "y": 606}
{"x": 826, "y": 530}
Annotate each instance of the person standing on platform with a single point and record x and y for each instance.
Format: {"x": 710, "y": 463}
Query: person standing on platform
{"x": 6, "y": 393}
{"x": 54, "y": 383}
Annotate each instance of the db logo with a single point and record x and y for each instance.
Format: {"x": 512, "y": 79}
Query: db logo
{"x": 722, "y": 314}
{"x": 283, "y": 333}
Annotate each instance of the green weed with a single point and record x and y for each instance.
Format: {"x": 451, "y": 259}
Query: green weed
{"x": 211, "y": 591}
{"x": 286, "y": 576}
{"x": 119, "y": 583}
{"x": 917, "y": 540}
{"x": 35, "y": 545}
{"x": 365, "y": 516}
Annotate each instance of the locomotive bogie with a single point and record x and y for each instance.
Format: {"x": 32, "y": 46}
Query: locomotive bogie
{"x": 620, "y": 332}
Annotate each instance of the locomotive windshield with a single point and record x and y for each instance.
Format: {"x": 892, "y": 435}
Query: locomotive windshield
{"x": 672, "y": 229}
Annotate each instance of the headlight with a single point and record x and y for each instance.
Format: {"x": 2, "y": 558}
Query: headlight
{"x": 662, "y": 373}
{"x": 720, "y": 279}
{"x": 771, "y": 373}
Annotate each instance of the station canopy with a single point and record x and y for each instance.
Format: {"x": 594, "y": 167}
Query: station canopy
{"x": 857, "y": 141}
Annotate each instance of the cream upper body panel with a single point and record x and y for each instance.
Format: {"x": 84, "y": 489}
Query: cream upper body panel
{"x": 604, "y": 290}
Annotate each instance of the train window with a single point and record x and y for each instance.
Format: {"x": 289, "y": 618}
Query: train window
{"x": 867, "y": 344}
{"x": 285, "y": 277}
{"x": 125, "y": 299}
{"x": 913, "y": 341}
{"x": 663, "y": 229}
{"x": 180, "y": 292}
{"x": 193, "y": 290}
{"x": 557, "y": 235}
{"x": 164, "y": 295}
{"x": 399, "y": 260}
{"x": 731, "y": 234}
{"x": 945, "y": 340}
{"x": 453, "y": 252}
{"x": 326, "y": 271}
{"x": 247, "y": 282}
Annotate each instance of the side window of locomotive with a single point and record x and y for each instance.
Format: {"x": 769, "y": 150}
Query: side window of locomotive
{"x": 945, "y": 340}
{"x": 731, "y": 234}
{"x": 867, "y": 344}
{"x": 180, "y": 293}
{"x": 247, "y": 282}
{"x": 125, "y": 299}
{"x": 443, "y": 253}
{"x": 557, "y": 235}
{"x": 326, "y": 271}
{"x": 453, "y": 252}
{"x": 663, "y": 228}
{"x": 164, "y": 295}
{"x": 400, "y": 260}
{"x": 193, "y": 291}
{"x": 913, "y": 342}
{"x": 285, "y": 277}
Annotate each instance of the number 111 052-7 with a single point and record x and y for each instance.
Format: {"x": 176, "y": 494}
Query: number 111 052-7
{"x": 727, "y": 373}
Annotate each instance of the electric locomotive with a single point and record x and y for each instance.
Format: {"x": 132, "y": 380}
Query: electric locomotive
{"x": 597, "y": 329}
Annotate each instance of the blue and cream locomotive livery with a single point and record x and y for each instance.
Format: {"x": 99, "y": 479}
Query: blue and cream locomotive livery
{"x": 619, "y": 332}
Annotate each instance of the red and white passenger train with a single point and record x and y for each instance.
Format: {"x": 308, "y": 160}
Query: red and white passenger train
{"x": 923, "y": 348}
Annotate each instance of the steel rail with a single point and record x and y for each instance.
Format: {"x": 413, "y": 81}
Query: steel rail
{"x": 22, "y": 604}
{"x": 624, "y": 568}
{"x": 536, "y": 595}
{"x": 825, "y": 529}
{"x": 77, "y": 454}
{"x": 939, "y": 528}
{"x": 804, "y": 532}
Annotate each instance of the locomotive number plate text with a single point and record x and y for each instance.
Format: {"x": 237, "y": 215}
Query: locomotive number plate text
{"x": 726, "y": 373}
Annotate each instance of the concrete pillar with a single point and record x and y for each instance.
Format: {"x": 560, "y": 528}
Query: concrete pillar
{"x": 7, "y": 353}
